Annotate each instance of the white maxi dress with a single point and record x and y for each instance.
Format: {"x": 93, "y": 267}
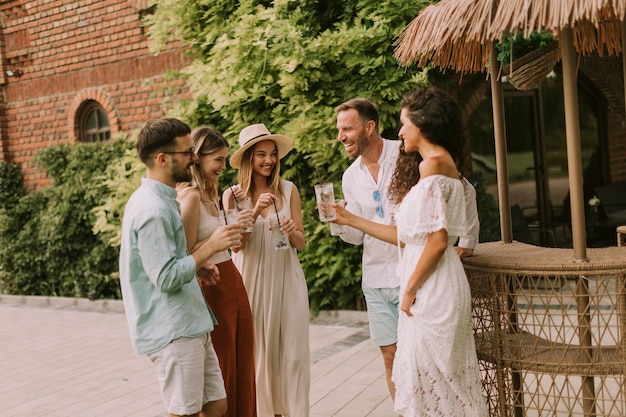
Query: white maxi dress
{"x": 280, "y": 311}
{"x": 435, "y": 369}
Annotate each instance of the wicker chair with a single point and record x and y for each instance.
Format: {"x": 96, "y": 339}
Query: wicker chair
{"x": 621, "y": 235}
{"x": 549, "y": 331}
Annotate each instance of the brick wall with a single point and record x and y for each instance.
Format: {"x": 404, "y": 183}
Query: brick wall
{"x": 71, "y": 51}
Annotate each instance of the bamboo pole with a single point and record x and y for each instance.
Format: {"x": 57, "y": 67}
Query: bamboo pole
{"x": 497, "y": 103}
{"x": 572, "y": 132}
{"x": 574, "y": 166}
{"x": 624, "y": 57}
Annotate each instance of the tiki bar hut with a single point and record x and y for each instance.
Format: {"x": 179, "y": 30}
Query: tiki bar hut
{"x": 549, "y": 323}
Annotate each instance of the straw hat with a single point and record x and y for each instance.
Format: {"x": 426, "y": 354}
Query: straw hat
{"x": 253, "y": 134}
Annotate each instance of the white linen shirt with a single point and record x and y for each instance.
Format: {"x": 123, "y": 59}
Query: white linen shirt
{"x": 380, "y": 259}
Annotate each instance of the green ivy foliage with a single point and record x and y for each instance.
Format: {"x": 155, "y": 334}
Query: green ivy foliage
{"x": 48, "y": 247}
{"x": 11, "y": 189}
{"x": 488, "y": 213}
{"x": 520, "y": 45}
{"x": 121, "y": 178}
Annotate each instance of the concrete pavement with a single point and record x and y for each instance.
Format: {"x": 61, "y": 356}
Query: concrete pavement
{"x": 72, "y": 357}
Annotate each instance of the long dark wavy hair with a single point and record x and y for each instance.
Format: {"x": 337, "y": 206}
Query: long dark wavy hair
{"x": 439, "y": 118}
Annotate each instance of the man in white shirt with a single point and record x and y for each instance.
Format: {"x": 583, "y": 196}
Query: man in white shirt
{"x": 365, "y": 185}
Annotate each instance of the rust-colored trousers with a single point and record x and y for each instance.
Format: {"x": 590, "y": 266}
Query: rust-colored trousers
{"x": 233, "y": 339}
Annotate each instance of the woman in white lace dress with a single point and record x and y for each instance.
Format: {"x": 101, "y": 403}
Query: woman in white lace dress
{"x": 435, "y": 369}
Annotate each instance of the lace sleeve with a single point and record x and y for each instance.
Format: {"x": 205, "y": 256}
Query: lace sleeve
{"x": 432, "y": 205}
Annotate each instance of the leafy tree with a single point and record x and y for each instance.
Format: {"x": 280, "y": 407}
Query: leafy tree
{"x": 121, "y": 179}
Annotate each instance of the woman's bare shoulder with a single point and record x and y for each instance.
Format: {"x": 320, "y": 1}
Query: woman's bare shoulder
{"x": 188, "y": 195}
{"x": 437, "y": 166}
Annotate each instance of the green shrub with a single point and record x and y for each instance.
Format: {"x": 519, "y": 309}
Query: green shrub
{"x": 122, "y": 177}
{"x": 64, "y": 239}
{"x": 48, "y": 244}
{"x": 11, "y": 189}
{"x": 488, "y": 213}
{"x": 288, "y": 64}
{"x": 521, "y": 45}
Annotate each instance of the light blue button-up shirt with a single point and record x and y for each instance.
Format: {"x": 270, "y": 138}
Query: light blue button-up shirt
{"x": 162, "y": 297}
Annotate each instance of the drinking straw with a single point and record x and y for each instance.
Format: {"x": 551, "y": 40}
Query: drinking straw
{"x": 231, "y": 190}
{"x": 276, "y": 210}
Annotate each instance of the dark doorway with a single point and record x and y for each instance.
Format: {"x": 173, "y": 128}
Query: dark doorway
{"x": 537, "y": 156}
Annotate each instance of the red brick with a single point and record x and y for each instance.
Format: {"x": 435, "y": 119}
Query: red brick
{"x": 73, "y": 51}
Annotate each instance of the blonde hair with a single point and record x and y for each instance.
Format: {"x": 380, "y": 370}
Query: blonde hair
{"x": 206, "y": 141}
{"x": 244, "y": 176}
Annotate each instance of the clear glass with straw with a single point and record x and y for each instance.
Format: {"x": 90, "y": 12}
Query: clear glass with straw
{"x": 279, "y": 238}
{"x": 325, "y": 197}
{"x": 243, "y": 203}
{"x": 229, "y": 216}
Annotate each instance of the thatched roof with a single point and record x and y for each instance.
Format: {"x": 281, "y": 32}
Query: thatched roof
{"x": 456, "y": 33}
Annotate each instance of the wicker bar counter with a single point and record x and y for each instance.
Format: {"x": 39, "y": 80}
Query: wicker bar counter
{"x": 550, "y": 331}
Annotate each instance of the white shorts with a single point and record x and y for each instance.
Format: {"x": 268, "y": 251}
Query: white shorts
{"x": 189, "y": 373}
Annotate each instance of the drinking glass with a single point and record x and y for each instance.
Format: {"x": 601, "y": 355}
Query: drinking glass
{"x": 337, "y": 229}
{"x": 279, "y": 239}
{"x": 244, "y": 203}
{"x": 232, "y": 217}
{"x": 325, "y": 195}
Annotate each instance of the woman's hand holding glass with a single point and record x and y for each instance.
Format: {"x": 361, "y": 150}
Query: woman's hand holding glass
{"x": 246, "y": 219}
{"x": 238, "y": 193}
{"x": 264, "y": 201}
{"x": 287, "y": 225}
{"x": 227, "y": 236}
{"x": 343, "y": 216}
{"x": 278, "y": 227}
{"x": 244, "y": 208}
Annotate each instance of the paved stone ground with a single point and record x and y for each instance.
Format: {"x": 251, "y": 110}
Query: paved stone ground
{"x": 73, "y": 357}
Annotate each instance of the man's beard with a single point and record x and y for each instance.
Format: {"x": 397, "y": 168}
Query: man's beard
{"x": 182, "y": 175}
{"x": 362, "y": 144}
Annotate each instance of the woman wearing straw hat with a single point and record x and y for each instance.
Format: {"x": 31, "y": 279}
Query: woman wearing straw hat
{"x": 273, "y": 277}
{"x": 233, "y": 336}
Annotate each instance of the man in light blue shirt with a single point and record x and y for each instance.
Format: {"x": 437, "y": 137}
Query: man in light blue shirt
{"x": 167, "y": 316}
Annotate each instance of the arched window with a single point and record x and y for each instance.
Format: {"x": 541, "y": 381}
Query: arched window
{"x": 92, "y": 123}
